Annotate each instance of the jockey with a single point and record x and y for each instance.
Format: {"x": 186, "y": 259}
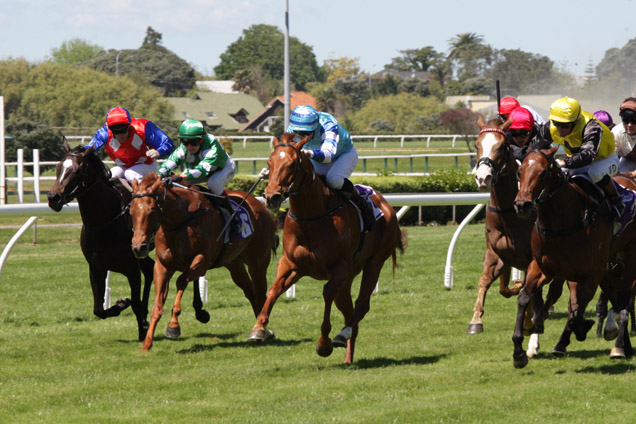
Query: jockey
{"x": 589, "y": 147}
{"x": 524, "y": 133}
{"x": 508, "y": 104}
{"x": 625, "y": 136}
{"x": 604, "y": 117}
{"x": 204, "y": 159}
{"x": 332, "y": 153}
{"x": 134, "y": 144}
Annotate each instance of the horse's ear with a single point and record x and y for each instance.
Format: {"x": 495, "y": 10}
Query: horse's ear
{"x": 90, "y": 150}
{"x": 507, "y": 123}
{"x": 302, "y": 142}
{"x": 480, "y": 122}
{"x": 65, "y": 145}
{"x": 275, "y": 141}
{"x": 135, "y": 184}
{"x": 552, "y": 151}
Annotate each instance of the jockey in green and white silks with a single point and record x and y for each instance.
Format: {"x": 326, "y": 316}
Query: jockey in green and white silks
{"x": 203, "y": 157}
{"x": 332, "y": 154}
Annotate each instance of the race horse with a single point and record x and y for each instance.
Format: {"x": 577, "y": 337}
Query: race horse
{"x": 106, "y": 230}
{"x": 323, "y": 239}
{"x": 573, "y": 239}
{"x": 507, "y": 235}
{"x": 185, "y": 226}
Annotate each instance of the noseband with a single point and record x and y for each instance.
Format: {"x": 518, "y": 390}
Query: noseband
{"x": 299, "y": 160}
{"x": 484, "y": 160}
{"x": 158, "y": 208}
{"x": 79, "y": 174}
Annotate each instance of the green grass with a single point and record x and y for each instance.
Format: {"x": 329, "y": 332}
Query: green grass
{"x": 413, "y": 363}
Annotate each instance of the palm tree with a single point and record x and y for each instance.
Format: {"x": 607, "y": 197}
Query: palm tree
{"x": 462, "y": 41}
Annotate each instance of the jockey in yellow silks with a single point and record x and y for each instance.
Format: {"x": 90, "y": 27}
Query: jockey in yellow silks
{"x": 589, "y": 146}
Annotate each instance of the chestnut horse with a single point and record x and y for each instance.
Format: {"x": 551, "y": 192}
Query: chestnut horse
{"x": 185, "y": 226}
{"x": 106, "y": 230}
{"x": 322, "y": 239}
{"x": 507, "y": 235}
{"x": 572, "y": 239}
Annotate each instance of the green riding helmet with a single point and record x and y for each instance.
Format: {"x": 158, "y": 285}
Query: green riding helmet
{"x": 190, "y": 129}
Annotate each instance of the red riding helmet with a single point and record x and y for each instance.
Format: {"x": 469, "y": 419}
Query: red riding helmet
{"x": 117, "y": 116}
{"x": 507, "y": 104}
{"x": 522, "y": 119}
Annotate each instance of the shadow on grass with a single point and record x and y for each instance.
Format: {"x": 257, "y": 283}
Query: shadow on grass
{"x": 199, "y": 347}
{"x": 386, "y": 362}
{"x": 622, "y": 367}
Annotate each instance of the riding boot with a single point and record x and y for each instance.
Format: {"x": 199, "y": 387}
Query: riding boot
{"x": 615, "y": 200}
{"x": 350, "y": 193}
{"x": 224, "y": 202}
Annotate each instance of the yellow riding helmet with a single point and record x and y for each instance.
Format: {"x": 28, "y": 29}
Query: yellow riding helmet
{"x": 565, "y": 109}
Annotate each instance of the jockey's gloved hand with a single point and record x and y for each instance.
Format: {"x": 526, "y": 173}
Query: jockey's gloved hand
{"x": 264, "y": 173}
{"x": 560, "y": 162}
{"x": 309, "y": 153}
{"x": 152, "y": 154}
{"x": 168, "y": 181}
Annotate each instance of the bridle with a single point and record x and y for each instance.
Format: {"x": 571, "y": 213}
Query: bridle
{"x": 298, "y": 162}
{"x": 549, "y": 190}
{"x": 484, "y": 160}
{"x": 80, "y": 171}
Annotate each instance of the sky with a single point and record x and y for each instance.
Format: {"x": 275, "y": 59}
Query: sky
{"x": 572, "y": 34}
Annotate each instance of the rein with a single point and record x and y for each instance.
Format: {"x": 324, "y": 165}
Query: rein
{"x": 192, "y": 216}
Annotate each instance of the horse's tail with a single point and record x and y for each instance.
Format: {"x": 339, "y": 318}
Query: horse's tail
{"x": 275, "y": 244}
{"x": 401, "y": 246}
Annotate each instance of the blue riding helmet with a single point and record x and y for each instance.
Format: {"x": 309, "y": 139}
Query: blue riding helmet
{"x": 303, "y": 118}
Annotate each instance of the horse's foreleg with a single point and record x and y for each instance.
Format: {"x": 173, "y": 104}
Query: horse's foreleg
{"x": 98, "y": 287}
{"x": 580, "y": 295}
{"x": 140, "y": 310}
{"x": 162, "y": 277}
{"x": 286, "y": 276}
{"x": 337, "y": 282}
{"x": 492, "y": 268}
{"x": 173, "y": 330}
{"x": 534, "y": 280}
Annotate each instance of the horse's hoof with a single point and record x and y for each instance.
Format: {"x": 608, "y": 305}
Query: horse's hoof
{"x": 202, "y": 316}
{"x": 558, "y": 352}
{"x": 475, "y": 328}
{"x": 257, "y": 334}
{"x": 173, "y": 332}
{"x": 122, "y": 303}
{"x": 339, "y": 341}
{"x": 324, "y": 352}
{"x": 533, "y": 346}
{"x": 617, "y": 353}
{"x": 610, "y": 334}
{"x": 520, "y": 361}
{"x": 581, "y": 334}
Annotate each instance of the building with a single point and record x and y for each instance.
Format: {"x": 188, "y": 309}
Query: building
{"x": 264, "y": 120}
{"x": 217, "y": 111}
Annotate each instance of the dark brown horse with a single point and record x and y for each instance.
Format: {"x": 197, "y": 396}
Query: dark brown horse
{"x": 106, "y": 230}
{"x": 507, "y": 235}
{"x": 572, "y": 239}
{"x": 186, "y": 226}
{"x": 322, "y": 239}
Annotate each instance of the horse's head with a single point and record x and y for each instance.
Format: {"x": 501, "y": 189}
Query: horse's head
{"x": 493, "y": 152}
{"x": 145, "y": 213}
{"x": 537, "y": 180}
{"x": 288, "y": 170}
{"x": 75, "y": 174}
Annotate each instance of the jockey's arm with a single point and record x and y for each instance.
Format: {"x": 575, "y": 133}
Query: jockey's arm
{"x": 589, "y": 147}
{"x": 158, "y": 140}
{"x": 99, "y": 139}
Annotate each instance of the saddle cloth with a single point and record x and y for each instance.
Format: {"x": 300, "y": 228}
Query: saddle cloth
{"x": 366, "y": 192}
{"x": 242, "y": 216}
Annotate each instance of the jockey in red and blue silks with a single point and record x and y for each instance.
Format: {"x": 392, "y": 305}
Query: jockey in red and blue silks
{"x": 134, "y": 144}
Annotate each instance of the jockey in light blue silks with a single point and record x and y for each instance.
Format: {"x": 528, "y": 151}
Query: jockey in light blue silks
{"x": 332, "y": 154}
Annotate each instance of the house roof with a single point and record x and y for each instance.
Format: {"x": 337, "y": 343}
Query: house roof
{"x": 216, "y": 110}
{"x": 296, "y": 98}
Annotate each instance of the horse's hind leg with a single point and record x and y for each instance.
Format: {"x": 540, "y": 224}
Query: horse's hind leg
{"x": 139, "y": 309}
{"x": 242, "y": 279}
{"x": 201, "y": 314}
{"x": 162, "y": 277}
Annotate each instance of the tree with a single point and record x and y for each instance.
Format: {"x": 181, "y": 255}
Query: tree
{"x": 263, "y": 45}
{"x": 76, "y": 52}
{"x": 469, "y": 56}
{"x": 416, "y": 60}
{"x": 66, "y": 96}
{"x": 620, "y": 65}
{"x": 523, "y": 72}
{"x": 341, "y": 68}
{"x": 460, "y": 121}
{"x": 153, "y": 38}
{"x": 253, "y": 81}
{"x": 416, "y": 86}
{"x": 403, "y": 111}
{"x": 151, "y": 62}
{"x": 29, "y": 135}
